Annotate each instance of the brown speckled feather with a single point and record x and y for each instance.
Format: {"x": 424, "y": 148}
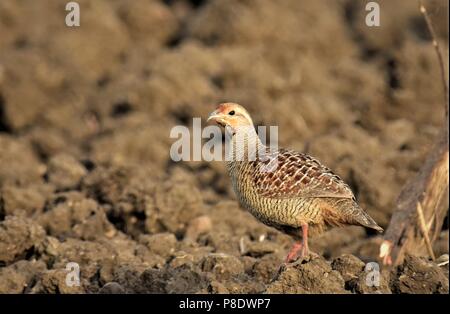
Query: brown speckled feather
{"x": 290, "y": 174}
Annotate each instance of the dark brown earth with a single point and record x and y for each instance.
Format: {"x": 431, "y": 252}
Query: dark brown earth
{"x": 85, "y": 116}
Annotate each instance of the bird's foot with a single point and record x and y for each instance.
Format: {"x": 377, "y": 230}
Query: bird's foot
{"x": 290, "y": 258}
{"x": 302, "y": 259}
{"x": 293, "y": 252}
{"x": 304, "y": 252}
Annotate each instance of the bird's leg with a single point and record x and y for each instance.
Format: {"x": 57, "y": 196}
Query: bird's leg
{"x": 305, "y": 249}
{"x": 293, "y": 252}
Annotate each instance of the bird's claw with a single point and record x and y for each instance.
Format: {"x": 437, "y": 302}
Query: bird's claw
{"x": 302, "y": 259}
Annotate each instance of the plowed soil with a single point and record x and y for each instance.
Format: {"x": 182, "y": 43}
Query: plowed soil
{"x": 85, "y": 117}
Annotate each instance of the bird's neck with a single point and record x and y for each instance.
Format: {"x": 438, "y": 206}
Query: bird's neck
{"x": 244, "y": 145}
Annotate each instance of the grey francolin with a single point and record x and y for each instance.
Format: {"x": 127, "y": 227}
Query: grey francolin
{"x": 285, "y": 189}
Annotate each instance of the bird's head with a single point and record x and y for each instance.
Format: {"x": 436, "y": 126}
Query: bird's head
{"x": 231, "y": 115}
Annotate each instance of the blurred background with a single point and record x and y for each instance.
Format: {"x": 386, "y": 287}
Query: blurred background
{"x": 85, "y": 116}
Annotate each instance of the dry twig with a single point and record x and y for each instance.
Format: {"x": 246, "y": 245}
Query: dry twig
{"x": 436, "y": 46}
{"x": 424, "y": 230}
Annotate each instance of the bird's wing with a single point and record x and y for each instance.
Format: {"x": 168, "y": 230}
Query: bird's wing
{"x": 289, "y": 174}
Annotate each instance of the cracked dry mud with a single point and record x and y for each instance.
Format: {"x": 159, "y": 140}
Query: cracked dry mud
{"x": 85, "y": 116}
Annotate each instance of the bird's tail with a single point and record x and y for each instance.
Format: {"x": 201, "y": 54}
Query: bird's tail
{"x": 340, "y": 211}
{"x": 363, "y": 218}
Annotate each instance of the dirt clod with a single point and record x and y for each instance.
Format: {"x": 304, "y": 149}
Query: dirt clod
{"x": 308, "y": 276}
{"x": 86, "y": 116}
{"x": 19, "y": 237}
{"x": 418, "y": 275}
{"x": 111, "y": 288}
{"x": 65, "y": 172}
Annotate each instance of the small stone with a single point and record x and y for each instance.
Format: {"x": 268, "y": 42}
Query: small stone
{"x": 112, "y": 288}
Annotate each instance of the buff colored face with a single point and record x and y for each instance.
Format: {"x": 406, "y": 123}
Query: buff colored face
{"x": 232, "y": 115}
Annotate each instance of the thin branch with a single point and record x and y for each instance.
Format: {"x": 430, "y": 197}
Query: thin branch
{"x": 436, "y": 46}
{"x": 424, "y": 230}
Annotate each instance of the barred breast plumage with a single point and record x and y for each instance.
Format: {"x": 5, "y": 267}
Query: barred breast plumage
{"x": 287, "y": 190}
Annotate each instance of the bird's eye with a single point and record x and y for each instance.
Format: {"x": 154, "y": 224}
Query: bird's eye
{"x": 231, "y": 113}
